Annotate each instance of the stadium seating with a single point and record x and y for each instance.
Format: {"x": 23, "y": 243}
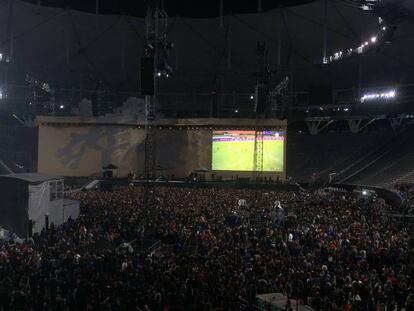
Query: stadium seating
{"x": 328, "y": 152}
{"x": 385, "y": 166}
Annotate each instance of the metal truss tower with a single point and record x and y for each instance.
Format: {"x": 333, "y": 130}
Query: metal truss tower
{"x": 154, "y": 48}
{"x": 258, "y": 155}
{"x": 261, "y": 99}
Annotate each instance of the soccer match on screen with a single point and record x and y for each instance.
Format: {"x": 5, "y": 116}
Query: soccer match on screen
{"x": 234, "y": 151}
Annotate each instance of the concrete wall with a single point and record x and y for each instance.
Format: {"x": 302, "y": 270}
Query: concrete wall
{"x": 81, "y": 148}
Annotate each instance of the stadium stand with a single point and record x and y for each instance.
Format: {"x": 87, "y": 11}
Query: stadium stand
{"x": 329, "y": 152}
{"x": 387, "y": 165}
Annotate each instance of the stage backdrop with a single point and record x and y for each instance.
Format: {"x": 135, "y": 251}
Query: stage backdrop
{"x": 82, "y": 146}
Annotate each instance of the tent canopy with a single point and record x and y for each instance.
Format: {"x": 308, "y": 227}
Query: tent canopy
{"x": 110, "y": 166}
{"x": 32, "y": 178}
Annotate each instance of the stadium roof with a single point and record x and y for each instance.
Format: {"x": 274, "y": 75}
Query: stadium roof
{"x": 74, "y": 49}
{"x": 183, "y": 8}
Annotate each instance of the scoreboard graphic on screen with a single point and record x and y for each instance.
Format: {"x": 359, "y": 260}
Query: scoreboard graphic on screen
{"x": 234, "y": 151}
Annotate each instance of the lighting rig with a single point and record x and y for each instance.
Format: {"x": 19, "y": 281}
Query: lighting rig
{"x": 384, "y": 35}
{"x": 38, "y": 87}
{"x": 374, "y": 97}
{"x": 154, "y": 65}
{"x": 3, "y": 91}
{"x": 390, "y": 14}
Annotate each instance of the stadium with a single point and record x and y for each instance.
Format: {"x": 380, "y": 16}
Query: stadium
{"x": 206, "y": 155}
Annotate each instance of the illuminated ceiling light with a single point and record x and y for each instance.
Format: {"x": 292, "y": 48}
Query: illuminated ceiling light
{"x": 159, "y": 74}
{"x": 384, "y": 28}
{"x": 61, "y": 106}
{"x": 385, "y": 95}
{"x": 346, "y": 109}
{"x": 236, "y": 111}
{"x": 366, "y": 42}
{"x": 251, "y": 97}
{"x": 374, "y": 39}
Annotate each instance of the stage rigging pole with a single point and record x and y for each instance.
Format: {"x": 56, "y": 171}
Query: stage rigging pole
{"x": 261, "y": 99}
{"x": 150, "y": 51}
{"x": 156, "y": 50}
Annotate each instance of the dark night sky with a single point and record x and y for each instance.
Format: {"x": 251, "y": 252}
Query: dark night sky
{"x": 183, "y": 8}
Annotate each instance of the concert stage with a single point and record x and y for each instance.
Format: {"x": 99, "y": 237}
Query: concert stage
{"x": 224, "y": 148}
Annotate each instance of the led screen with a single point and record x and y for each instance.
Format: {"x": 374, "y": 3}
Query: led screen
{"x": 234, "y": 151}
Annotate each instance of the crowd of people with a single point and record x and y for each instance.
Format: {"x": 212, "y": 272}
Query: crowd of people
{"x": 406, "y": 192}
{"x": 331, "y": 251}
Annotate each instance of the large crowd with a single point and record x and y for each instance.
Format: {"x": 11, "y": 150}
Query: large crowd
{"x": 332, "y": 251}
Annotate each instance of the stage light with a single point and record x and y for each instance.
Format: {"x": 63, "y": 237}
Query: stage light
{"x": 364, "y": 192}
{"x": 321, "y": 108}
{"x": 1, "y": 94}
{"x": 61, "y": 106}
{"x": 378, "y": 38}
{"x": 251, "y": 97}
{"x": 384, "y": 95}
{"x": 236, "y": 111}
{"x": 346, "y": 109}
{"x": 159, "y": 74}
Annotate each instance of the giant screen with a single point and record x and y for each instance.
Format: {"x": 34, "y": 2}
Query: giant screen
{"x": 234, "y": 151}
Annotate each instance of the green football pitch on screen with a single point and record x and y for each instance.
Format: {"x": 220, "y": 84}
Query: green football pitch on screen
{"x": 234, "y": 151}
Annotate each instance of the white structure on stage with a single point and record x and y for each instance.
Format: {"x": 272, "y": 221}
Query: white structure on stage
{"x": 29, "y": 200}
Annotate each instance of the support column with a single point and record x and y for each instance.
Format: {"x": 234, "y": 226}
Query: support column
{"x": 229, "y": 46}
{"x": 279, "y": 40}
{"x": 259, "y": 6}
{"x": 80, "y": 86}
{"x": 354, "y": 125}
{"x": 9, "y": 57}
{"x": 395, "y": 122}
{"x": 325, "y": 31}
{"x": 315, "y": 127}
{"x": 221, "y": 13}
{"x": 97, "y": 14}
